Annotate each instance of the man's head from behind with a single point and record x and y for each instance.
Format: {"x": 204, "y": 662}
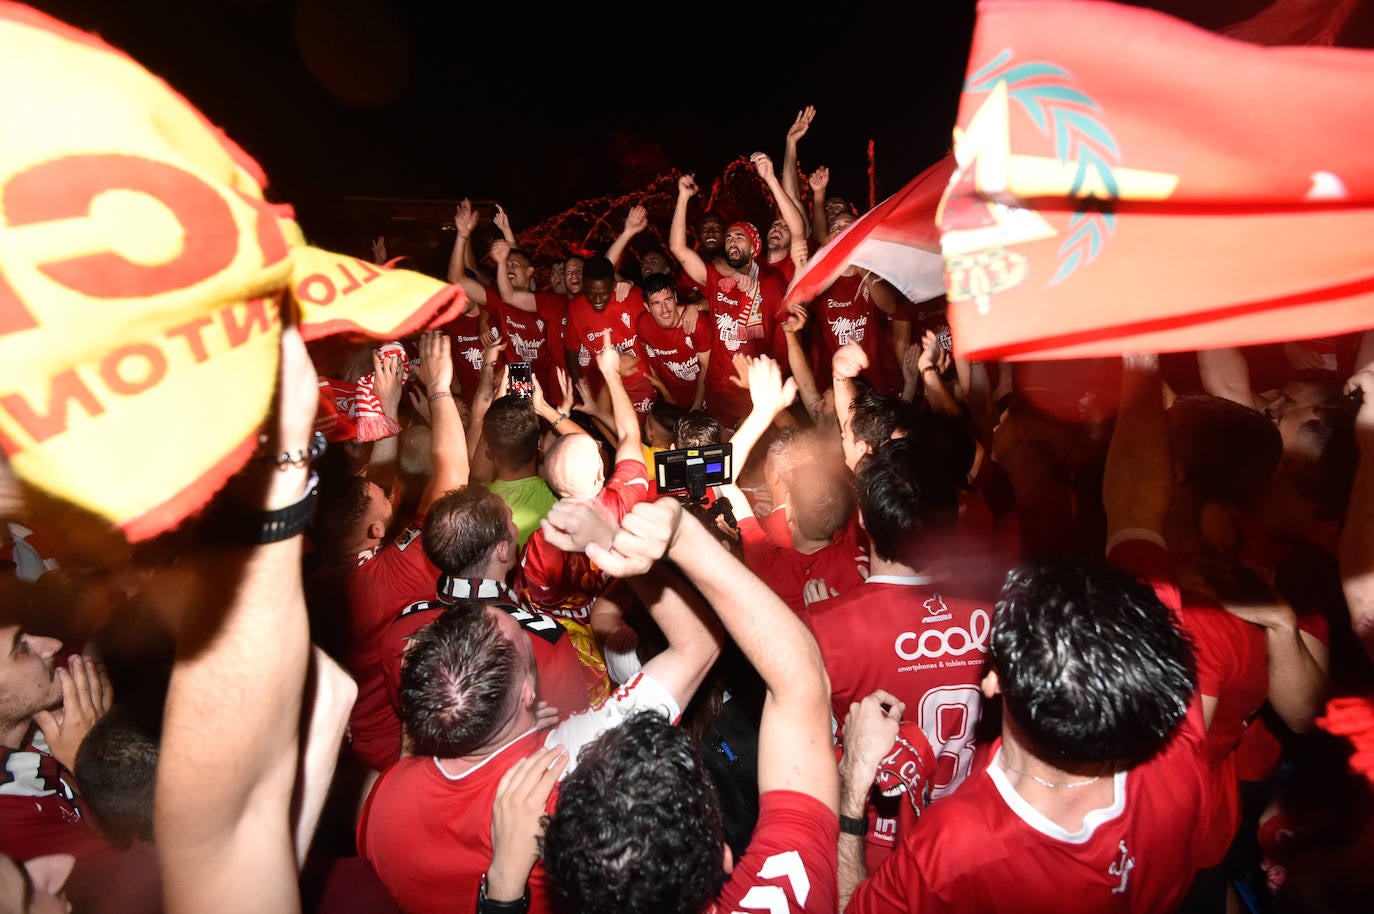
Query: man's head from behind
{"x": 697, "y": 428}
{"x": 511, "y": 432}
{"x": 905, "y": 492}
{"x": 1089, "y": 662}
{"x": 573, "y": 467}
{"x": 818, "y": 486}
{"x": 463, "y": 678}
{"x": 469, "y": 532}
{"x": 117, "y": 768}
{"x": 637, "y": 829}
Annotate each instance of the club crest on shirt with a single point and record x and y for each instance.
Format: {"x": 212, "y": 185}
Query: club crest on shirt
{"x": 625, "y": 319}
{"x": 936, "y": 610}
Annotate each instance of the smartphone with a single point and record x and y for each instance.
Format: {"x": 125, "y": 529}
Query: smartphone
{"x": 521, "y": 380}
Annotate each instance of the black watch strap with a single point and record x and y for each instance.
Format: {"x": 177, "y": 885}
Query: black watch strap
{"x": 284, "y": 523}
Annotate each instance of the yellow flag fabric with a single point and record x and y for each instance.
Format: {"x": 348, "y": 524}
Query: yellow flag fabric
{"x": 143, "y": 276}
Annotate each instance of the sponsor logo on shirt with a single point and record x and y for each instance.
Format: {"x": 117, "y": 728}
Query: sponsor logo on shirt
{"x": 848, "y": 330}
{"x": 950, "y": 642}
{"x": 936, "y": 610}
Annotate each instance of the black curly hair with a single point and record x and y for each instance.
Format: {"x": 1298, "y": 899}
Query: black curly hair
{"x": 637, "y": 829}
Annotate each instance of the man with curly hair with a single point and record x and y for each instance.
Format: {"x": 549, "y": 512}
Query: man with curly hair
{"x": 637, "y": 827}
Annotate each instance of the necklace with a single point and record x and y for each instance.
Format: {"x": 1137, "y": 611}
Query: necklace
{"x": 1057, "y": 785}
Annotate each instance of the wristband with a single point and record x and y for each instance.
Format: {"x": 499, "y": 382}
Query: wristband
{"x": 852, "y": 826}
{"x": 440, "y": 395}
{"x": 561, "y": 416}
{"x": 930, "y": 368}
{"x": 486, "y": 906}
{"x": 284, "y": 523}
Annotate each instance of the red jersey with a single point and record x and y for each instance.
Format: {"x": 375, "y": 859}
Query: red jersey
{"x": 985, "y": 849}
{"x": 585, "y": 330}
{"x": 41, "y": 811}
{"x": 673, "y": 355}
{"x": 535, "y": 336}
{"x": 842, "y": 565}
{"x": 790, "y": 864}
{"x": 925, "y": 643}
{"x": 396, "y": 575}
{"x": 844, "y": 313}
{"x": 564, "y": 682}
{"x": 731, "y": 335}
{"x": 465, "y": 337}
{"x": 563, "y": 584}
{"x": 427, "y": 833}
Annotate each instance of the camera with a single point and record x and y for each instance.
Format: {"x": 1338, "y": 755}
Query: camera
{"x": 693, "y": 469}
{"x": 521, "y": 380}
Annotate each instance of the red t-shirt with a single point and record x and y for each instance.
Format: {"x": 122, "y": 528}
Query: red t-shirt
{"x": 398, "y": 574}
{"x": 730, "y": 309}
{"x": 428, "y": 833}
{"x": 465, "y": 337}
{"x": 984, "y": 849}
{"x": 790, "y": 864}
{"x": 535, "y": 336}
{"x": 844, "y": 313}
{"x": 564, "y": 584}
{"x": 672, "y": 354}
{"x": 41, "y": 810}
{"x": 585, "y": 330}
{"x": 923, "y": 641}
{"x": 842, "y": 565}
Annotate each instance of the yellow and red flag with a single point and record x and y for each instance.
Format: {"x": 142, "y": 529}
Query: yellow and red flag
{"x": 142, "y": 280}
{"x": 1126, "y": 181}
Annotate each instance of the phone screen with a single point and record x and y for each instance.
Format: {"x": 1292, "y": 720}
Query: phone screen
{"x": 521, "y": 380}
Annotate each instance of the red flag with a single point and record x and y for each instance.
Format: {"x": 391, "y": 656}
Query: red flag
{"x": 1295, "y": 22}
{"x": 1127, "y": 181}
{"x": 897, "y": 239}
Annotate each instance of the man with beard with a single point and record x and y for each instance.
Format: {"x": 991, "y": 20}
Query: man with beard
{"x": 745, "y": 300}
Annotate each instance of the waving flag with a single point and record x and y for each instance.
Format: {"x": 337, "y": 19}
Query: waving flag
{"x": 142, "y": 281}
{"x": 897, "y": 239}
{"x": 1126, "y": 181}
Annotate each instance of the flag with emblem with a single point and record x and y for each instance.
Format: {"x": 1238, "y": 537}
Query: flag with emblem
{"x": 1127, "y": 181}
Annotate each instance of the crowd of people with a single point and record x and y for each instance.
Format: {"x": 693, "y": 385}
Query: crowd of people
{"x": 949, "y": 635}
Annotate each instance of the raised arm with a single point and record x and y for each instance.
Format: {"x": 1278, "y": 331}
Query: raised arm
{"x": 678, "y": 609}
{"x": 790, "y": 183}
{"x": 795, "y": 745}
{"x": 692, "y": 264}
{"x": 1137, "y": 479}
{"x": 636, "y": 221}
{"x": 1225, "y": 373}
{"x": 448, "y": 448}
{"x": 242, "y": 648}
{"x": 464, "y": 219}
{"x": 1357, "y": 535}
{"x": 517, "y": 298}
{"x": 387, "y": 384}
{"x": 787, "y": 207}
{"x": 799, "y": 363}
{"x": 629, "y": 444}
{"x": 820, "y": 225}
{"x": 770, "y": 395}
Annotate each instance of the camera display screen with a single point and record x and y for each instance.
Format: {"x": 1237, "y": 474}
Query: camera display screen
{"x": 678, "y": 471}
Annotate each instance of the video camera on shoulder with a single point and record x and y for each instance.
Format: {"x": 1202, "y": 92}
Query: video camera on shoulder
{"x": 693, "y": 470}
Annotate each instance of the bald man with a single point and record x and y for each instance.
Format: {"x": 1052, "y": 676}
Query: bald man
{"x": 565, "y": 584}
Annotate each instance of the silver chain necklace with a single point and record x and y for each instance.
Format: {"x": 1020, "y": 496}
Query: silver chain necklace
{"x": 1057, "y": 785}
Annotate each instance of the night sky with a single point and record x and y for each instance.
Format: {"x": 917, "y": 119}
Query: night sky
{"x": 541, "y": 109}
